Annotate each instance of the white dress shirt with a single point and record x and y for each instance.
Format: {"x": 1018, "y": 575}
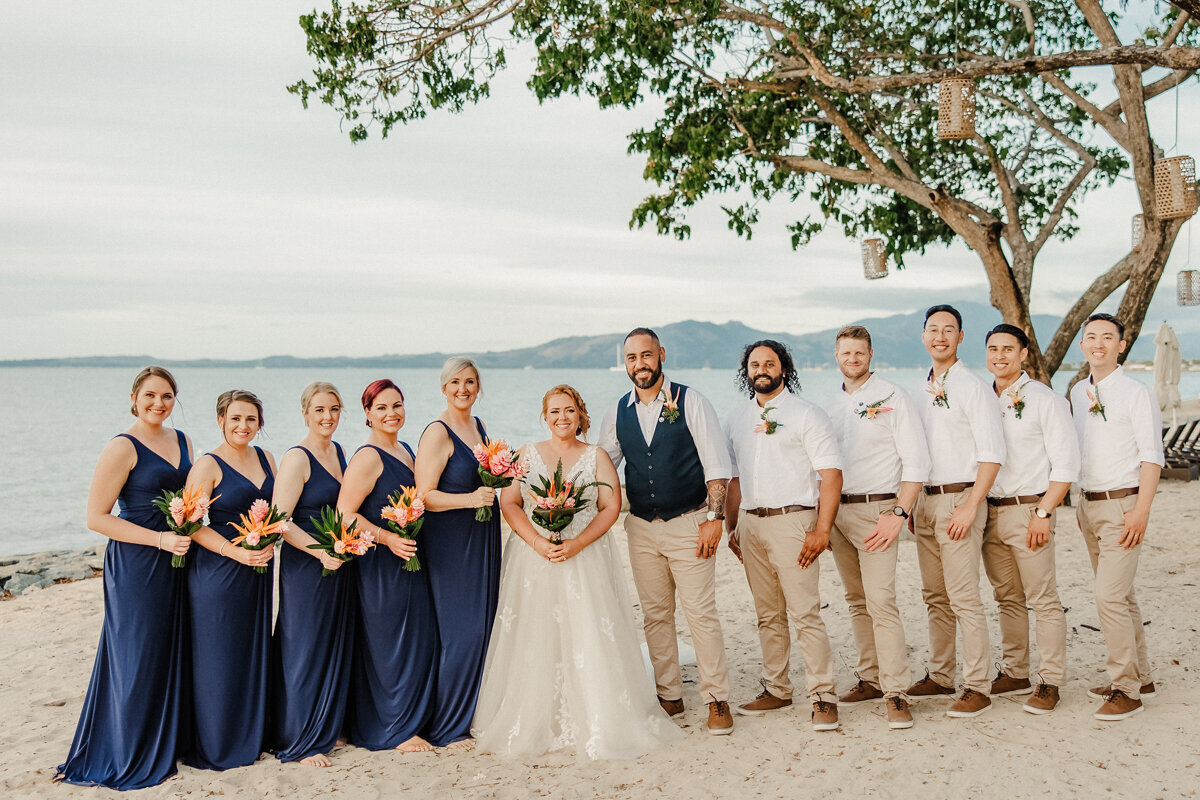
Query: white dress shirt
{"x": 1040, "y": 444}
{"x": 702, "y": 422}
{"x": 1115, "y": 445}
{"x": 780, "y": 469}
{"x": 965, "y": 432}
{"x": 880, "y": 448}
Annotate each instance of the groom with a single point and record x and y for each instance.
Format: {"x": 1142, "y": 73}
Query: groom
{"x": 676, "y": 473}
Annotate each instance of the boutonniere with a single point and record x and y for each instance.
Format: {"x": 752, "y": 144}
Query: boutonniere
{"x": 937, "y": 388}
{"x": 670, "y": 409}
{"x": 869, "y": 410}
{"x": 1096, "y": 408}
{"x": 1016, "y": 400}
{"x": 767, "y": 426}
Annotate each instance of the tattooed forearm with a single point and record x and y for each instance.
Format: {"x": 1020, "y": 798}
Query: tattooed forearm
{"x": 716, "y": 495}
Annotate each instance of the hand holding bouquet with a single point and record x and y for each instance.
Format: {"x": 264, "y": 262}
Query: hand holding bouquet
{"x": 339, "y": 540}
{"x": 498, "y": 467}
{"x": 261, "y": 529}
{"x": 185, "y": 511}
{"x": 404, "y": 515}
{"x": 557, "y": 501}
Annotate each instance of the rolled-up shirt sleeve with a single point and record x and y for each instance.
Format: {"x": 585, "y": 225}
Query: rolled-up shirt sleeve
{"x": 730, "y": 421}
{"x": 986, "y": 428}
{"x": 608, "y": 435}
{"x": 1147, "y": 427}
{"x": 911, "y": 445}
{"x": 820, "y": 442}
{"x": 710, "y": 440}
{"x": 1062, "y": 446}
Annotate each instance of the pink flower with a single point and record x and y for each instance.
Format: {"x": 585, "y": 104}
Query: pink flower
{"x": 519, "y": 469}
{"x": 500, "y": 463}
{"x": 418, "y": 508}
{"x": 368, "y": 537}
{"x": 252, "y": 538}
{"x": 259, "y": 510}
{"x": 545, "y": 502}
{"x": 570, "y": 503}
{"x": 760, "y": 427}
{"x": 481, "y": 454}
{"x": 200, "y": 510}
{"x": 339, "y": 547}
{"x": 176, "y": 509}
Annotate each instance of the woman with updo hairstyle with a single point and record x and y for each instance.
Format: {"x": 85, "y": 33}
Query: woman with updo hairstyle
{"x": 566, "y": 603}
{"x": 229, "y": 602}
{"x": 129, "y": 730}
{"x": 464, "y": 554}
{"x": 314, "y": 633}
{"x": 395, "y": 651}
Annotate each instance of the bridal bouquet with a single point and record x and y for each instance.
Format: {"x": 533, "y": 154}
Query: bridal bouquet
{"x": 498, "y": 467}
{"x": 185, "y": 511}
{"x": 403, "y": 515}
{"x": 341, "y": 541}
{"x": 558, "y": 501}
{"x": 261, "y": 529}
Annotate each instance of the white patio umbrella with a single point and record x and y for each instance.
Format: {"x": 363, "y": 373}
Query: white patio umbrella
{"x": 1167, "y": 365}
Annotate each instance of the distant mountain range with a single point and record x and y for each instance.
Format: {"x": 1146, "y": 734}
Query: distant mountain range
{"x": 689, "y": 344}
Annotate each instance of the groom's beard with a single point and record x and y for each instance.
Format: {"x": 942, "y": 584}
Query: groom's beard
{"x": 642, "y": 382}
{"x": 768, "y": 385}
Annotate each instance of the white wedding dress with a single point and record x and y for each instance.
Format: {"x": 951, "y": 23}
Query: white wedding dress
{"x": 564, "y": 668}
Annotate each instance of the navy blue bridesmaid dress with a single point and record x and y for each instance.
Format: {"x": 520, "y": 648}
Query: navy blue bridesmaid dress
{"x": 128, "y": 734}
{"x": 314, "y": 634}
{"x": 464, "y": 576}
{"x": 396, "y": 641}
{"x": 230, "y": 608}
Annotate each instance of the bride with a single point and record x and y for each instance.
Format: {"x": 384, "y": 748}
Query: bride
{"x": 565, "y": 669}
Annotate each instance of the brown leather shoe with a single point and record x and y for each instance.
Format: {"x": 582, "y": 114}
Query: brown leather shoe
{"x": 1147, "y": 692}
{"x": 928, "y": 687}
{"x": 1118, "y": 706}
{"x": 898, "y": 714}
{"x": 861, "y": 692}
{"x": 1043, "y": 700}
{"x": 1007, "y": 684}
{"x": 969, "y": 704}
{"x": 720, "y": 721}
{"x": 824, "y": 716}
{"x": 762, "y": 704}
{"x": 673, "y": 707}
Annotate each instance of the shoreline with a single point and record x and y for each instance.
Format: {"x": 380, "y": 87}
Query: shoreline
{"x": 24, "y": 573}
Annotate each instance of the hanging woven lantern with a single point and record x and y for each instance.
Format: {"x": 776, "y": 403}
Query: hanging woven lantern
{"x": 1175, "y": 187}
{"x": 1139, "y": 230}
{"x": 1187, "y": 287}
{"x": 874, "y": 259}
{"x": 956, "y": 108}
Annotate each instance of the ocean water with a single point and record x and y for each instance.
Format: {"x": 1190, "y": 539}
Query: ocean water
{"x": 60, "y": 418}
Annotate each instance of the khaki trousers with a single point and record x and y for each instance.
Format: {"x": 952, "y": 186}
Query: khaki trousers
{"x": 869, "y": 579}
{"x": 950, "y": 586}
{"x": 662, "y": 556}
{"x": 783, "y": 591}
{"x": 1022, "y": 578}
{"x": 1102, "y": 522}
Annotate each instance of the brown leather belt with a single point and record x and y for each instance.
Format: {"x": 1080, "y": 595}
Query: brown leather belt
{"x": 1019, "y": 500}
{"x": 1115, "y": 494}
{"x": 948, "y": 488}
{"x": 867, "y": 498}
{"x": 775, "y": 512}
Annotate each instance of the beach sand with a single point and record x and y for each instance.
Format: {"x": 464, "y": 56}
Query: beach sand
{"x": 50, "y": 635}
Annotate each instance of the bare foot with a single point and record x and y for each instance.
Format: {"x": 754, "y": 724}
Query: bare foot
{"x": 414, "y": 745}
{"x": 464, "y": 745}
{"x": 318, "y": 760}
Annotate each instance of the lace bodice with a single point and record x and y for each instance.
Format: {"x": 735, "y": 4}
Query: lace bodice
{"x": 583, "y": 470}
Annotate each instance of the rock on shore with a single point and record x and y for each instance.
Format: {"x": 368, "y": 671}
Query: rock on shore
{"x": 20, "y": 574}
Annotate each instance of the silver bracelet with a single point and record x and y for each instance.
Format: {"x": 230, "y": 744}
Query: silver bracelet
{"x": 160, "y": 540}
{"x": 221, "y": 552}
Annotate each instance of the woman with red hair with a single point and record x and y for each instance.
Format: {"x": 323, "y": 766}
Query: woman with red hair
{"x": 396, "y": 642}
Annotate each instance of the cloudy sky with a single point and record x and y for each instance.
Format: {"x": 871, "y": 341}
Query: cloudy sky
{"x": 161, "y": 194}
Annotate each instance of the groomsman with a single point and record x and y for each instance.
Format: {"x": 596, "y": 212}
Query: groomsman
{"x": 779, "y": 521}
{"x": 676, "y": 475}
{"x": 966, "y": 448}
{"x": 1018, "y": 542}
{"x": 1120, "y": 435}
{"x": 885, "y": 462}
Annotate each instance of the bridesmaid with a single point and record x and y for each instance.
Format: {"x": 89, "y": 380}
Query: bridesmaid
{"x": 128, "y": 732}
{"x": 314, "y": 634}
{"x": 395, "y": 655}
{"x": 230, "y": 603}
{"x": 464, "y": 555}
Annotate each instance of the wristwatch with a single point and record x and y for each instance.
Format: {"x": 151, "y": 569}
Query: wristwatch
{"x": 1041, "y": 513}
{"x": 900, "y": 512}
{"x": 713, "y": 516}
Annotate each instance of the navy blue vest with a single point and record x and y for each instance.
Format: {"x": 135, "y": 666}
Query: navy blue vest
{"x": 665, "y": 478}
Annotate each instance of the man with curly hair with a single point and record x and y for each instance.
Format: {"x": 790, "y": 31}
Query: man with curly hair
{"x": 781, "y": 503}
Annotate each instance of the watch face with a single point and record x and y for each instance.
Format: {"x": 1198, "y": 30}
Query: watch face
{"x": 899, "y": 512}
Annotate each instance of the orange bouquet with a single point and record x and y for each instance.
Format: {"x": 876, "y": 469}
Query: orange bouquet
{"x": 404, "y": 515}
{"x": 341, "y": 541}
{"x": 261, "y": 529}
{"x": 185, "y": 511}
{"x": 498, "y": 467}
